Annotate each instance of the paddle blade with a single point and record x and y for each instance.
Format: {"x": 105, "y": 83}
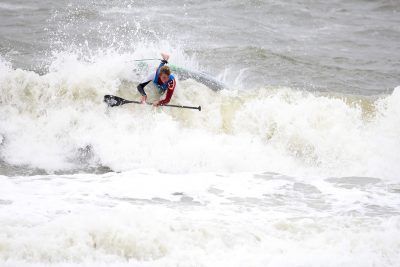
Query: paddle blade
{"x": 113, "y": 101}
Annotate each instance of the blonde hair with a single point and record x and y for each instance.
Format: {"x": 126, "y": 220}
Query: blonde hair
{"x": 165, "y": 70}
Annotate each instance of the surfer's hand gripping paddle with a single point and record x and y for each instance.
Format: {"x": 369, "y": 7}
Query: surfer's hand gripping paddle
{"x": 113, "y": 101}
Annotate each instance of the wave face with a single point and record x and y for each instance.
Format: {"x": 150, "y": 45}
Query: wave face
{"x": 57, "y": 122}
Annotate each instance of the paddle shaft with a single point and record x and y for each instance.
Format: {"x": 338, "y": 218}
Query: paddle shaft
{"x": 172, "y": 106}
{"x": 145, "y": 59}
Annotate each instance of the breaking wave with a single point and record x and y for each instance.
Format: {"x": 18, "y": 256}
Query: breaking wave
{"x": 57, "y": 122}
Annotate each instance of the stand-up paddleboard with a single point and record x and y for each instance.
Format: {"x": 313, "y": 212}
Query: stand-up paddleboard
{"x": 185, "y": 74}
{"x": 198, "y": 76}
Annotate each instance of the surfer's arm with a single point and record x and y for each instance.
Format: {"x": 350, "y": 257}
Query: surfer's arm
{"x": 170, "y": 92}
{"x": 163, "y": 62}
{"x": 141, "y": 86}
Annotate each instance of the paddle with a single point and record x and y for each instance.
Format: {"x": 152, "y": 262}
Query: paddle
{"x": 113, "y": 101}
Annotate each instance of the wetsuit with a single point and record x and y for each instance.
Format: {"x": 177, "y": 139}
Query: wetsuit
{"x": 167, "y": 87}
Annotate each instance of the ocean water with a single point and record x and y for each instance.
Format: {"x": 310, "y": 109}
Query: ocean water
{"x": 295, "y": 163}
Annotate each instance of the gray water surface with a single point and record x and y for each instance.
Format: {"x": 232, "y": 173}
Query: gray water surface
{"x": 335, "y": 46}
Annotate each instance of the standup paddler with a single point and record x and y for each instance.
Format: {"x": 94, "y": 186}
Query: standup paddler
{"x": 163, "y": 80}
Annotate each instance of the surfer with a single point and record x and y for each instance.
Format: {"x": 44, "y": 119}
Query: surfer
{"x": 163, "y": 80}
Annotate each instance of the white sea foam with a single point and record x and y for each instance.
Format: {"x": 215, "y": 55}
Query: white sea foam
{"x": 144, "y": 218}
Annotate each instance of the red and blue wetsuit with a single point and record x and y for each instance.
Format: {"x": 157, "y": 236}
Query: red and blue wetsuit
{"x": 167, "y": 87}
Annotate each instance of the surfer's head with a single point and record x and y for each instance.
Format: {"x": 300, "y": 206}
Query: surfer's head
{"x": 164, "y": 73}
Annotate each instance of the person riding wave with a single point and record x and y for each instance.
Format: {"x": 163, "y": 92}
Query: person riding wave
{"x": 163, "y": 80}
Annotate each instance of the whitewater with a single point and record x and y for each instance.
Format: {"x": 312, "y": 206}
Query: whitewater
{"x": 58, "y": 122}
{"x": 294, "y": 163}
